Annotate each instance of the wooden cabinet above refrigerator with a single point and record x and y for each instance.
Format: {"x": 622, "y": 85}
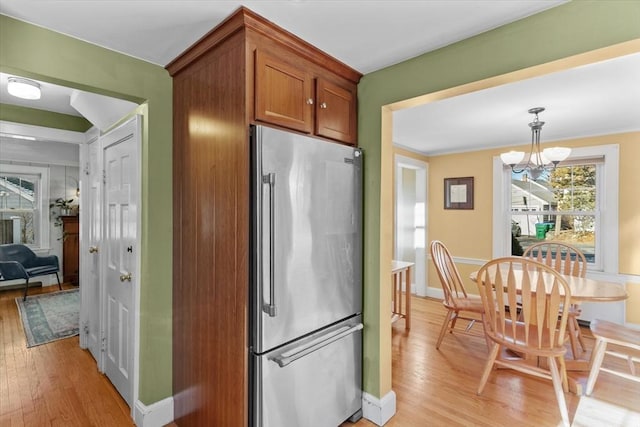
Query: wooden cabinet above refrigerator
{"x": 288, "y": 95}
{"x": 289, "y": 83}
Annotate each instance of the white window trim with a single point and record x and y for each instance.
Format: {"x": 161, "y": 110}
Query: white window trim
{"x": 608, "y": 224}
{"x": 43, "y": 218}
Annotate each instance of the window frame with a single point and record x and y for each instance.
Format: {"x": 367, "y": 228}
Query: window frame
{"x": 607, "y": 185}
{"x": 41, "y": 232}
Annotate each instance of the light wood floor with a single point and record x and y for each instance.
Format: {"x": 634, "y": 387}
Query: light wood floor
{"x": 57, "y": 384}
{"x": 438, "y": 387}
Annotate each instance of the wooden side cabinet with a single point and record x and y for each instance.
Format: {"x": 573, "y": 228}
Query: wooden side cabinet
{"x": 70, "y": 249}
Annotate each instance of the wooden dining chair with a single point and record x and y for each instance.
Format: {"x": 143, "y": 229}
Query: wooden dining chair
{"x": 458, "y": 303}
{"x": 526, "y": 310}
{"x": 627, "y": 342}
{"x": 569, "y": 260}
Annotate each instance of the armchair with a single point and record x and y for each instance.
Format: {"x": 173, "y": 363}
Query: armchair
{"x": 19, "y": 262}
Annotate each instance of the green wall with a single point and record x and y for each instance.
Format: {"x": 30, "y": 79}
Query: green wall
{"x": 31, "y": 51}
{"x": 566, "y": 30}
{"x": 49, "y": 119}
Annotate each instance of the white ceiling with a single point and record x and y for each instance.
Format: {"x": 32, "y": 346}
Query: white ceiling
{"x": 596, "y": 99}
{"x": 367, "y": 35}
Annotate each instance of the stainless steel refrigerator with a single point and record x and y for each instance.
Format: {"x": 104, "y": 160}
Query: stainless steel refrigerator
{"x": 306, "y": 281}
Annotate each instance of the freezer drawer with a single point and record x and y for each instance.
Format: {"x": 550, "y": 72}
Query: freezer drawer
{"x": 313, "y": 382}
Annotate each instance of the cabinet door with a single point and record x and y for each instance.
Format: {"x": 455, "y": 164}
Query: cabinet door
{"x": 336, "y": 112}
{"x": 283, "y": 94}
{"x": 70, "y": 249}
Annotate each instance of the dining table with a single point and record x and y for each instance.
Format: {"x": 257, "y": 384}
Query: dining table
{"x": 401, "y": 275}
{"x": 582, "y": 290}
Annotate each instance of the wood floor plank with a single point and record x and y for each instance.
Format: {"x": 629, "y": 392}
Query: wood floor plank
{"x": 55, "y": 384}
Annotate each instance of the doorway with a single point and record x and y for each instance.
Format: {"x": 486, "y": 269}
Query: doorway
{"x": 411, "y": 218}
{"x": 76, "y": 164}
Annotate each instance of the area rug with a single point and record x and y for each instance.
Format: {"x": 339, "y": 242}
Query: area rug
{"x": 50, "y": 317}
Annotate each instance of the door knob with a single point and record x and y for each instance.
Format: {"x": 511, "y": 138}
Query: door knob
{"x": 93, "y": 249}
{"x": 126, "y": 277}
{"x": 323, "y": 105}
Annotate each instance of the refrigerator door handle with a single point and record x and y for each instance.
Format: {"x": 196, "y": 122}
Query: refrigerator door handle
{"x": 270, "y": 307}
{"x": 294, "y": 354}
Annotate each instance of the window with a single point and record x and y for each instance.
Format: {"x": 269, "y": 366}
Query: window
{"x": 24, "y": 209}
{"x": 576, "y": 203}
{"x": 561, "y": 205}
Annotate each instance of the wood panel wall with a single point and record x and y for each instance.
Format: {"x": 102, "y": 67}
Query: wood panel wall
{"x": 211, "y": 202}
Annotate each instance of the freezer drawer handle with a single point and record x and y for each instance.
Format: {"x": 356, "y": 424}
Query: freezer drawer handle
{"x": 295, "y": 354}
{"x": 270, "y": 307}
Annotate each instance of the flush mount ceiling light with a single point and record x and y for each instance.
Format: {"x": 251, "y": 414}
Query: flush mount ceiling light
{"x": 23, "y": 88}
{"x": 538, "y": 161}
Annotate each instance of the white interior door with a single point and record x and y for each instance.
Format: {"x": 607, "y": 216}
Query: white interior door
{"x": 91, "y": 287}
{"x": 120, "y": 255}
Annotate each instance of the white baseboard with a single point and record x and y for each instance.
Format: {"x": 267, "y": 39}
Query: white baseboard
{"x": 379, "y": 411}
{"x": 437, "y": 293}
{"x": 157, "y": 414}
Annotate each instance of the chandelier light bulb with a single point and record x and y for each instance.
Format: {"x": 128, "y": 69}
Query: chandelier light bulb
{"x": 512, "y": 158}
{"x": 556, "y": 154}
{"x": 543, "y": 159}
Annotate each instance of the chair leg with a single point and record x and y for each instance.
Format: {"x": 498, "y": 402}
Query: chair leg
{"x": 579, "y": 335}
{"x": 454, "y": 319}
{"x": 596, "y": 362}
{"x": 574, "y": 312}
{"x": 557, "y": 387}
{"x": 563, "y": 374}
{"x": 486, "y": 337}
{"x": 58, "y": 279}
{"x": 26, "y": 288}
{"x": 495, "y": 350}
{"x": 571, "y": 324}
{"x": 444, "y": 328}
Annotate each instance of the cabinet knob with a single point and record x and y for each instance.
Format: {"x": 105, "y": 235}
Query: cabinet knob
{"x": 323, "y": 105}
{"x": 126, "y": 277}
{"x": 93, "y": 249}
{"x": 310, "y": 101}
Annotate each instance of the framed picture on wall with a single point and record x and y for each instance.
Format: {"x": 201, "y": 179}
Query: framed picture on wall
{"x": 458, "y": 193}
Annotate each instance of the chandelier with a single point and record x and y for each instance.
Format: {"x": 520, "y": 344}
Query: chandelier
{"x": 538, "y": 161}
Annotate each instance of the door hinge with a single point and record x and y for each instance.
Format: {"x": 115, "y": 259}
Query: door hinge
{"x": 104, "y": 176}
{"x": 87, "y": 169}
{"x": 103, "y": 344}
{"x": 85, "y": 328}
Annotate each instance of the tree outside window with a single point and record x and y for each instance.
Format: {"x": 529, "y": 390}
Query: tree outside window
{"x": 560, "y": 205}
